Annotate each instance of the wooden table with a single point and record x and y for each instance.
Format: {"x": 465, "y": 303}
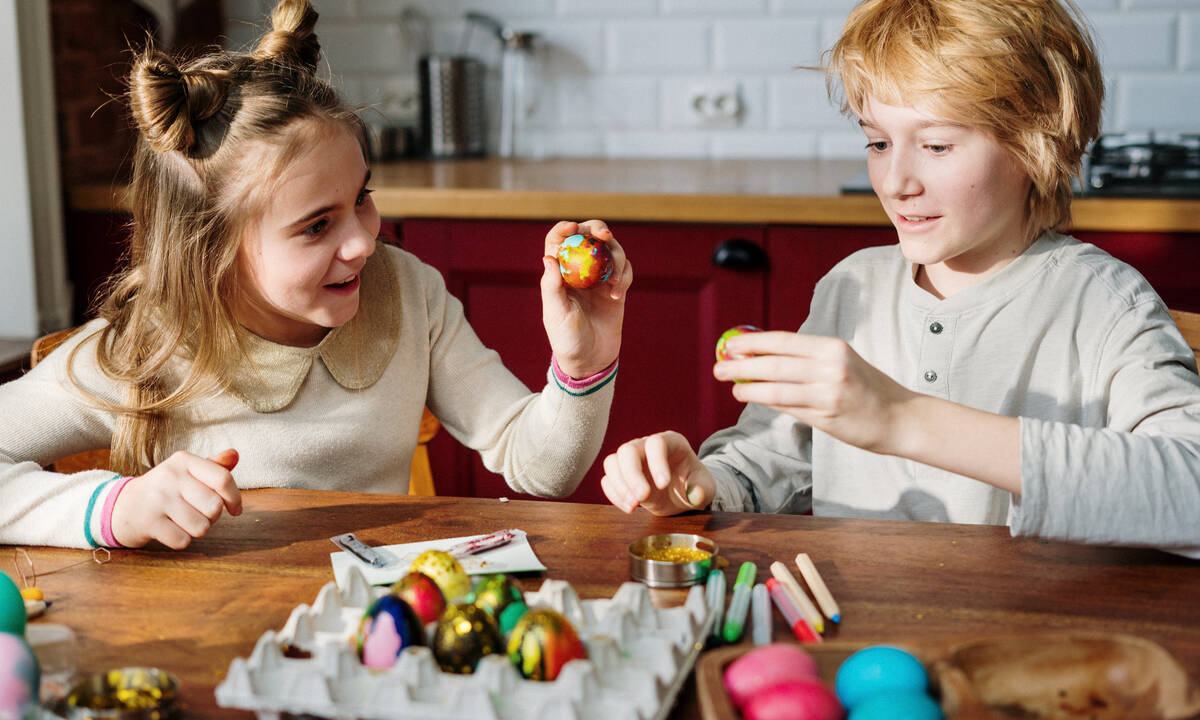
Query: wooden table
{"x": 194, "y": 611}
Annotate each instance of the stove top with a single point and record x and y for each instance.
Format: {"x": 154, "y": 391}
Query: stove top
{"x": 1145, "y": 164}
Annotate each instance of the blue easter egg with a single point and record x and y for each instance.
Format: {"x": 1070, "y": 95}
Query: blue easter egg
{"x": 897, "y": 705}
{"x": 12, "y": 607}
{"x": 388, "y": 626}
{"x": 876, "y": 669}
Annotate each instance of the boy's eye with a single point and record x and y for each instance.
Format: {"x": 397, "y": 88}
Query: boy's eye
{"x": 362, "y": 196}
{"x": 877, "y": 146}
{"x": 317, "y": 228}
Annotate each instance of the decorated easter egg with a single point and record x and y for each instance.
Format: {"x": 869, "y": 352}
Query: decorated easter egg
{"x": 542, "y": 642}
{"x": 495, "y": 593}
{"x": 20, "y": 677}
{"x": 422, "y": 595}
{"x": 799, "y": 699}
{"x": 12, "y": 607}
{"x": 907, "y": 704}
{"x": 765, "y": 666}
{"x": 510, "y": 615}
{"x": 445, "y": 570}
{"x": 465, "y": 633}
{"x": 387, "y": 627}
{"x": 876, "y": 669}
{"x": 732, "y": 332}
{"x": 584, "y": 262}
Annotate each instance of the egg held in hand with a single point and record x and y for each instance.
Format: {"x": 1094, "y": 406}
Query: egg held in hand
{"x": 766, "y": 666}
{"x": 445, "y": 570}
{"x": 584, "y": 262}
{"x": 542, "y": 642}
{"x": 722, "y": 354}
{"x": 387, "y": 627}
{"x": 422, "y": 594}
{"x": 465, "y": 633}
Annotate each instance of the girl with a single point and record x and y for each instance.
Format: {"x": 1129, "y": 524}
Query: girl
{"x": 260, "y": 313}
{"x": 987, "y": 369}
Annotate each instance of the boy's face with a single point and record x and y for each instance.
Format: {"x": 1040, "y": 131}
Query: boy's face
{"x": 956, "y": 197}
{"x": 299, "y": 264}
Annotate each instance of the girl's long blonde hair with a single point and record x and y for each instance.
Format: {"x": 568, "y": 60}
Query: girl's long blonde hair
{"x": 202, "y": 125}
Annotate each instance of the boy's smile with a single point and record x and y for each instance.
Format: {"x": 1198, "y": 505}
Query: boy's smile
{"x": 957, "y": 198}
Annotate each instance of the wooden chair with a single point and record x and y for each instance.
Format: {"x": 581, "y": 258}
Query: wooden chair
{"x": 420, "y": 479}
{"x": 1189, "y": 326}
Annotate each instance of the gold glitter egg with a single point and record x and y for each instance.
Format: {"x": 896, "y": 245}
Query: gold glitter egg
{"x": 445, "y": 570}
{"x": 465, "y": 633}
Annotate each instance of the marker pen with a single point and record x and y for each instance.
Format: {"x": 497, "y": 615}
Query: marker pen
{"x": 791, "y": 613}
{"x": 740, "y": 604}
{"x": 760, "y": 608}
{"x": 714, "y": 595}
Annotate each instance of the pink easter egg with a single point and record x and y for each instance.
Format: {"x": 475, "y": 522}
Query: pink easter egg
{"x": 765, "y": 666}
{"x": 801, "y": 699}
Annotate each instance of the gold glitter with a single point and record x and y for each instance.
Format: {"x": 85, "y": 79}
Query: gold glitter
{"x": 676, "y": 555}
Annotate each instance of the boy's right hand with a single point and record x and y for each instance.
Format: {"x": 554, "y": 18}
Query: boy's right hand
{"x": 177, "y": 500}
{"x": 660, "y": 472}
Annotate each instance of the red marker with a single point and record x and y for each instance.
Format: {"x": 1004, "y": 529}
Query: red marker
{"x": 791, "y": 613}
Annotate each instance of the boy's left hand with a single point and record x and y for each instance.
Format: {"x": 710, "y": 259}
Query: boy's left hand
{"x": 822, "y": 382}
{"x": 584, "y": 326}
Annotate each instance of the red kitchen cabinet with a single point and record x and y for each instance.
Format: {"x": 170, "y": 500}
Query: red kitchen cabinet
{"x": 1169, "y": 261}
{"x": 680, "y": 303}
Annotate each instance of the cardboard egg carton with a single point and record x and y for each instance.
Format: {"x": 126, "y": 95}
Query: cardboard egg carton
{"x": 638, "y": 658}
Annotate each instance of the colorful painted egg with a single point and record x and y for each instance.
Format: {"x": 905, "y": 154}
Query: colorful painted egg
{"x": 510, "y": 615}
{"x": 465, "y": 633}
{"x": 878, "y": 668}
{"x": 731, "y": 332}
{"x": 445, "y": 570}
{"x": 20, "y": 678}
{"x": 12, "y": 607}
{"x": 495, "y": 593}
{"x": 584, "y": 262}
{"x": 422, "y": 595}
{"x": 388, "y": 626}
{"x": 542, "y": 642}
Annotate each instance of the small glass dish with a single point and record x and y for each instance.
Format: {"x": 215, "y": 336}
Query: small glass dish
{"x": 672, "y": 560}
{"x": 128, "y": 693}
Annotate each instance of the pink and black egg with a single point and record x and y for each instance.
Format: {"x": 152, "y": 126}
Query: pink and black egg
{"x": 20, "y": 677}
{"x": 388, "y": 626}
{"x": 584, "y": 262}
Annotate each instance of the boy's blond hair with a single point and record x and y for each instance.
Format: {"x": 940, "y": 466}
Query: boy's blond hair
{"x": 1024, "y": 71}
{"x": 215, "y": 133}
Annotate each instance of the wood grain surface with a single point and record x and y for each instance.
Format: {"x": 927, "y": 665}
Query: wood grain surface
{"x": 193, "y": 611}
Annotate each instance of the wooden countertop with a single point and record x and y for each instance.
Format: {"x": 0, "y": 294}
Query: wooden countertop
{"x": 804, "y": 192}
{"x": 193, "y": 611}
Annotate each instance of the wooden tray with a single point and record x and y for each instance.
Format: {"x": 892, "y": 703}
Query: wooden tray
{"x": 1035, "y": 676}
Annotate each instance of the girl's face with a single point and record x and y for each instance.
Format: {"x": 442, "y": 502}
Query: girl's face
{"x": 299, "y": 264}
{"x": 956, "y": 197}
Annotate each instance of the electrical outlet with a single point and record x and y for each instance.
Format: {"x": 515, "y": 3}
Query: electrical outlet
{"x": 714, "y": 104}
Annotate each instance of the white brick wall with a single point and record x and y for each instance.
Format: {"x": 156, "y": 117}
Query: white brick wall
{"x": 617, "y": 76}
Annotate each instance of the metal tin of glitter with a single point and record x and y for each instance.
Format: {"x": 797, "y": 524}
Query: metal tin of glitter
{"x": 129, "y": 693}
{"x": 667, "y": 573}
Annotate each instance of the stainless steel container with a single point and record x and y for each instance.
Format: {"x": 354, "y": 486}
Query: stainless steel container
{"x": 667, "y": 573}
{"x": 453, "y": 123}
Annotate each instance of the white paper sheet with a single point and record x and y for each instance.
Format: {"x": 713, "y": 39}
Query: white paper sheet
{"x": 516, "y": 556}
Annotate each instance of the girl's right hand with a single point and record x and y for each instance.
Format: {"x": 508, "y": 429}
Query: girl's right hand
{"x": 660, "y": 472}
{"x": 177, "y": 500}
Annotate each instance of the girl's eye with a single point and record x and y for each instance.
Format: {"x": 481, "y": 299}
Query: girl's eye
{"x": 362, "y": 196}
{"x": 938, "y": 149}
{"x": 877, "y": 146}
{"x": 317, "y": 228}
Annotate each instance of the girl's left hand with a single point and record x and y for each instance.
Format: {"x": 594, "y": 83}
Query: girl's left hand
{"x": 822, "y": 382}
{"x": 584, "y": 326}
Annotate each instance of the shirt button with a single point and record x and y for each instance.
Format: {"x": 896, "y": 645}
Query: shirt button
{"x": 935, "y": 328}
{"x": 930, "y": 376}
